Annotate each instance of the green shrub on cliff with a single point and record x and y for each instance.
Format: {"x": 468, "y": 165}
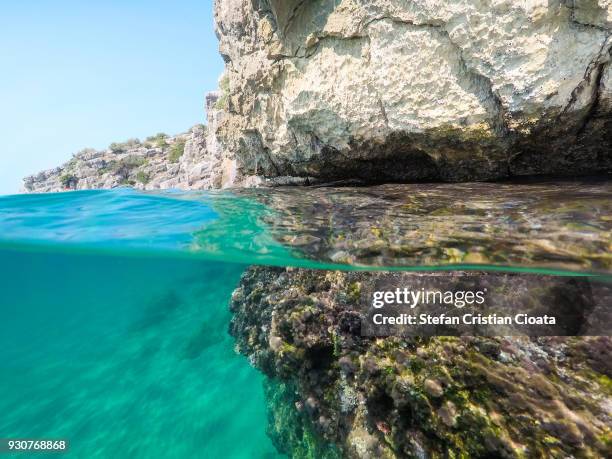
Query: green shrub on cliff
{"x": 127, "y": 182}
{"x": 131, "y": 143}
{"x": 116, "y": 147}
{"x": 176, "y": 151}
{"x": 224, "y": 97}
{"x": 124, "y": 167}
{"x": 157, "y": 140}
{"x": 119, "y": 147}
{"x": 69, "y": 181}
{"x": 143, "y": 177}
{"x": 133, "y": 161}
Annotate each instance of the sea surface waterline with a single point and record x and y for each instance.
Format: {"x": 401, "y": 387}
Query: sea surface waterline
{"x": 555, "y": 227}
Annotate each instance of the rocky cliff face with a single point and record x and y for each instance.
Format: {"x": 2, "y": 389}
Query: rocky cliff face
{"x": 380, "y": 91}
{"x": 425, "y": 89}
{"x": 160, "y": 161}
{"x": 192, "y": 160}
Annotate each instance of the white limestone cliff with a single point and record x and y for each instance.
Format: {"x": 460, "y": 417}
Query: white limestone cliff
{"x": 384, "y": 90}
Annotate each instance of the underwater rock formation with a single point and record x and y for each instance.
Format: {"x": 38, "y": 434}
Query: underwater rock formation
{"x": 340, "y": 394}
{"x": 404, "y": 90}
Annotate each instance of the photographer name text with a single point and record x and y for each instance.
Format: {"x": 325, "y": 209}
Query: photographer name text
{"x": 411, "y": 299}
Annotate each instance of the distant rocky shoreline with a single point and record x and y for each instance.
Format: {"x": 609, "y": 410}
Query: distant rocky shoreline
{"x": 183, "y": 161}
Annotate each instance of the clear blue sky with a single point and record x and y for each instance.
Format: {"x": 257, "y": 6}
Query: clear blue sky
{"x": 76, "y": 74}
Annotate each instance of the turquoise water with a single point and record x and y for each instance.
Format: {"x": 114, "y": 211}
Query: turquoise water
{"x": 125, "y": 357}
{"x": 112, "y": 340}
{"x": 114, "y": 304}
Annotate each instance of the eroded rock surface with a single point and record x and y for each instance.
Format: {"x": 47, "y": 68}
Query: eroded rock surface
{"x": 344, "y": 395}
{"x": 161, "y": 161}
{"x": 190, "y": 161}
{"x": 426, "y": 89}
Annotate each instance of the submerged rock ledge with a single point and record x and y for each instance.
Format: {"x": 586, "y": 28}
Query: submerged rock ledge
{"x": 560, "y": 224}
{"x": 334, "y": 393}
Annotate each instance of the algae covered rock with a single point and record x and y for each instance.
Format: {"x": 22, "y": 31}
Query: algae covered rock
{"x": 415, "y": 397}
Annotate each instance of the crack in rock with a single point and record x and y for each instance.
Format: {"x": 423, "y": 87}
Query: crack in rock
{"x": 592, "y": 79}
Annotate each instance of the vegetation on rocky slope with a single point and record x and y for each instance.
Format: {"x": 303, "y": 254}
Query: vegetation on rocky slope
{"x": 161, "y": 161}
